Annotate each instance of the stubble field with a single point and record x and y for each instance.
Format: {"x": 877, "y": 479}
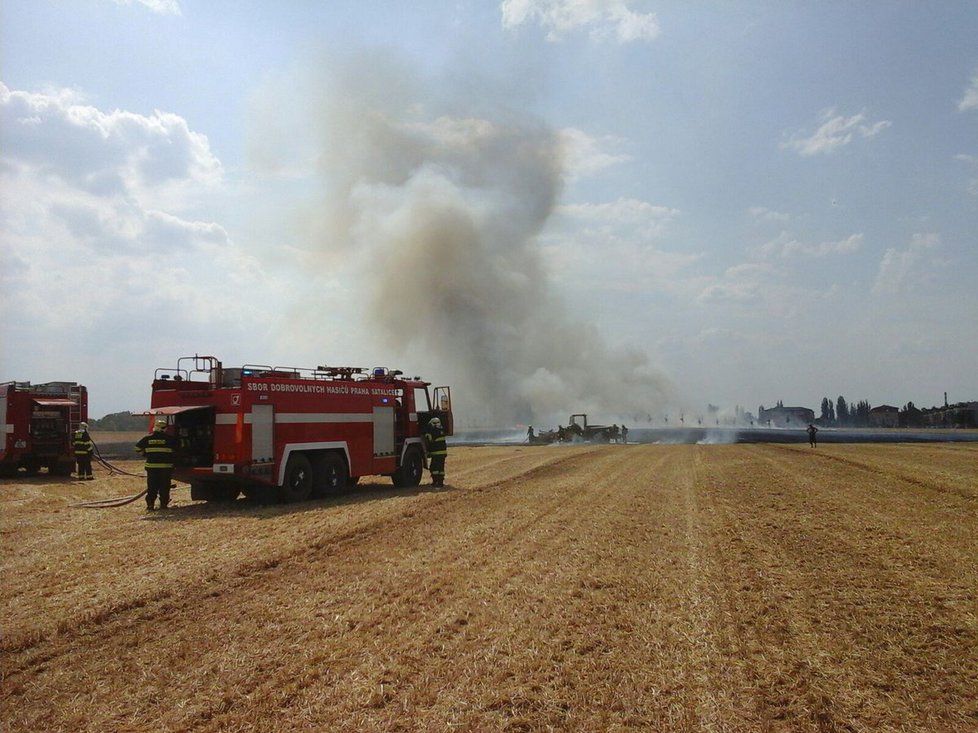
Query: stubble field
{"x": 723, "y": 588}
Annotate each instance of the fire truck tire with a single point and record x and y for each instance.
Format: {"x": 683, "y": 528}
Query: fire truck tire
{"x": 411, "y": 470}
{"x": 329, "y": 474}
{"x": 298, "y": 479}
{"x": 32, "y": 468}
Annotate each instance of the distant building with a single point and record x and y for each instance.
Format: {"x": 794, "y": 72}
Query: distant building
{"x": 785, "y": 417}
{"x": 884, "y": 416}
{"x": 960, "y": 415}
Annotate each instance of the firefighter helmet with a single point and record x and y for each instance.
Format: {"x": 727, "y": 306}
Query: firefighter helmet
{"x": 160, "y": 422}
{"x": 435, "y": 422}
{"x": 83, "y": 426}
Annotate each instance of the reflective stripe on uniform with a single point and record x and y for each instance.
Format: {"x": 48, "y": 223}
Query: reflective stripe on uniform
{"x": 158, "y": 465}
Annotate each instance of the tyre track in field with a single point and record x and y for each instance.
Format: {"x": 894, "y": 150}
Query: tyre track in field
{"x": 445, "y": 631}
{"x": 879, "y": 590}
{"x": 168, "y": 610}
{"x": 881, "y": 510}
{"x": 875, "y": 469}
{"x": 763, "y": 614}
{"x": 178, "y": 597}
{"x": 439, "y": 603}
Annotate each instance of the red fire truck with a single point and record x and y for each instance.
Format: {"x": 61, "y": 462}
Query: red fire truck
{"x": 36, "y": 425}
{"x": 300, "y": 432}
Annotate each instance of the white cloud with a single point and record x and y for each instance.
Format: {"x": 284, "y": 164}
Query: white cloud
{"x": 784, "y": 246}
{"x": 163, "y": 7}
{"x": 104, "y": 153}
{"x": 585, "y": 155}
{"x": 744, "y": 284}
{"x": 834, "y": 132}
{"x": 901, "y": 269}
{"x": 100, "y": 213}
{"x": 614, "y": 246}
{"x": 762, "y": 214}
{"x": 648, "y": 218}
{"x": 606, "y": 19}
{"x": 970, "y": 98}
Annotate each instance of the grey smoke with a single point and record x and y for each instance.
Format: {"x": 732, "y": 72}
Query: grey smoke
{"x": 435, "y": 201}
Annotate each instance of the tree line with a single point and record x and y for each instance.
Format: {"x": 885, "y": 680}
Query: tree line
{"x": 842, "y": 413}
{"x": 119, "y": 421}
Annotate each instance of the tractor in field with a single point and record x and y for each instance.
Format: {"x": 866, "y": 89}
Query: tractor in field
{"x": 590, "y": 433}
{"x": 578, "y": 430}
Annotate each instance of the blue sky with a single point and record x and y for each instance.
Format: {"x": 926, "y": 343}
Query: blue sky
{"x": 767, "y": 200}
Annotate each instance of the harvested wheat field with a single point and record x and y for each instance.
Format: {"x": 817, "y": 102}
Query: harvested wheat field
{"x": 740, "y": 588}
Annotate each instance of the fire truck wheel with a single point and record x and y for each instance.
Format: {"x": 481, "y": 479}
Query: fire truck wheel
{"x": 298, "y": 479}
{"x": 32, "y": 468}
{"x": 329, "y": 475}
{"x": 409, "y": 474}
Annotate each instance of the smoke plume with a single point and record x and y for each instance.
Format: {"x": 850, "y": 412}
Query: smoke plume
{"x": 435, "y": 201}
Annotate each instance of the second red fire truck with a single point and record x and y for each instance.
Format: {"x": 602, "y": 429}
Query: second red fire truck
{"x": 36, "y": 426}
{"x": 298, "y": 432}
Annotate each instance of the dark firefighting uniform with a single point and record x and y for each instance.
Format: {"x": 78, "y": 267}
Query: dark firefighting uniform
{"x": 159, "y": 449}
{"x": 437, "y": 452}
{"x": 84, "y": 447}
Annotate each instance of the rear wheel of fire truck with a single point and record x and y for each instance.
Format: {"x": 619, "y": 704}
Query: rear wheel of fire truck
{"x": 409, "y": 474}
{"x": 298, "y": 479}
{"x": 329, "y": 474}
{"x": 32, "y": 468}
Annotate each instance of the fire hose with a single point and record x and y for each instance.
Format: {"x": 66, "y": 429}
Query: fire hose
{"x": 118, "y": 500}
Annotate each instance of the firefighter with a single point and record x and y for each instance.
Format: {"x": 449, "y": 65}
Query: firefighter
{"x": 529, "y": 434}
{"x": 84, "y": 448}
{"x": 159, "y": 449}
{"x": 434, "y": 438}
{"x": 624, "y": 434}
{"x": 811, "y": 435}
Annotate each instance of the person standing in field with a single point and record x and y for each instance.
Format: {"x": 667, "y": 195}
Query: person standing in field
{"x": 529, "y": 434}
{"x": 624, "y": 434}
{"x": 84, "y": 448}
{"x": 437, "y": 447}
{"x": 811, "y": 435}
{"x": 159, "y": 449}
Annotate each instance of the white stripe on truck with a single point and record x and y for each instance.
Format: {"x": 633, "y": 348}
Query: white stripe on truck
{"x": 291, "y": 418}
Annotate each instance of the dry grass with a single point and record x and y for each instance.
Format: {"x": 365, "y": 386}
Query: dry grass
{"x": 734, "y": 588}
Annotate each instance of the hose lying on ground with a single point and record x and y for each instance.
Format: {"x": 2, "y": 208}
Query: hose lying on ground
{"x": 112, "y": 469}
{"x": 108, "y": 503}
{"x": 114, "y": 502}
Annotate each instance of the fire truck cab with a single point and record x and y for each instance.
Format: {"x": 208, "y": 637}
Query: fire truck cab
{"x": 301, "y": 432}
{"x": 36, "y": 425}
